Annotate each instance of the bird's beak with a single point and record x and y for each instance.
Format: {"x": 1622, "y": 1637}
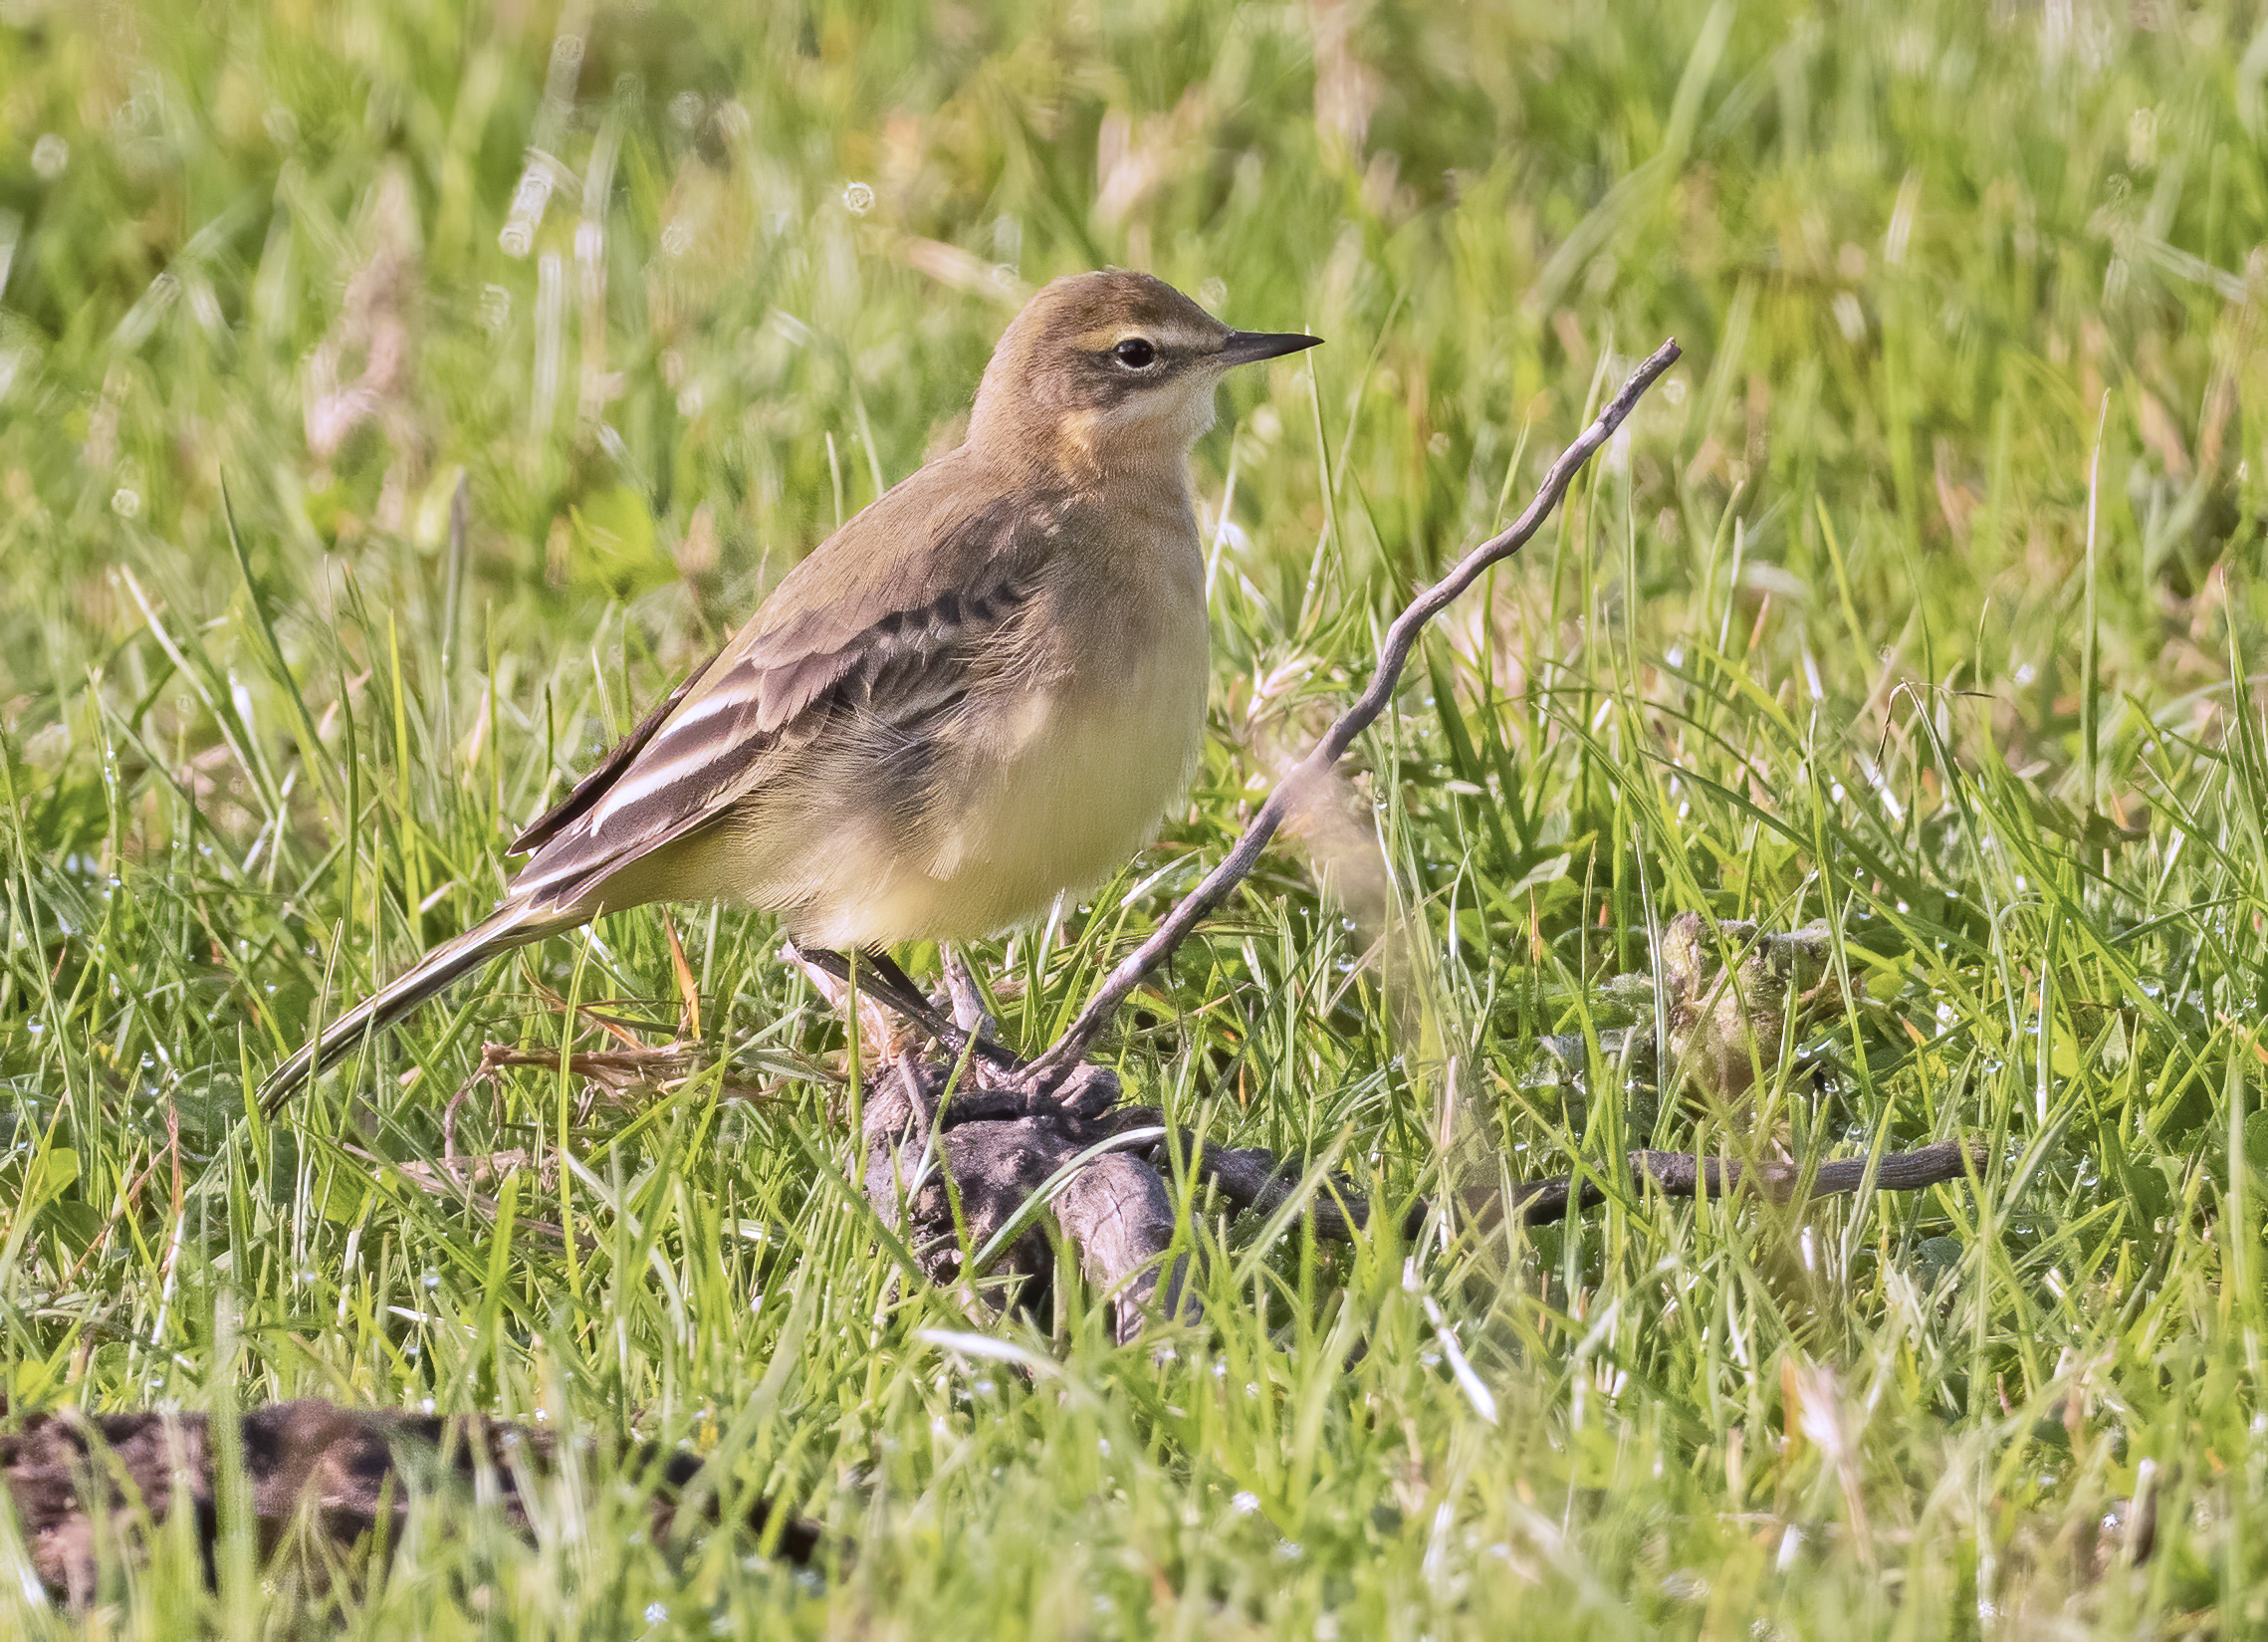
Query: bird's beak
{"x": 1246, "y": 347}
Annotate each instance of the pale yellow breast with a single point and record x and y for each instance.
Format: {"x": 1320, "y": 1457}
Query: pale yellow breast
{"x": 1060, "y": 774}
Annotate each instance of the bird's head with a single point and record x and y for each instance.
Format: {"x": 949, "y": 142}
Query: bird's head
{"x": 1110, "y": 372}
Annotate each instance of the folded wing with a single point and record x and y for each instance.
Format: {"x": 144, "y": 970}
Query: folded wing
{"x": 863, "y": 627}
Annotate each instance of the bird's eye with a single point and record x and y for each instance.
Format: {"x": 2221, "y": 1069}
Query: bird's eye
{"x": 1136, "y": 353}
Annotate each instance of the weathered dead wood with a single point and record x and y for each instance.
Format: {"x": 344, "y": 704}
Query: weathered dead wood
{"x": 959, "y": 1177}
{"x": 310, "y": 1466}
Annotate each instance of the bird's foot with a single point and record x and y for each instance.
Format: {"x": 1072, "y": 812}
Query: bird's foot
{"x": 1083, "y": 1094}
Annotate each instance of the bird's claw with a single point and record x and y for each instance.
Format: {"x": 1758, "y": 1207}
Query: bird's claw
{"x": 1081, "y": 1091}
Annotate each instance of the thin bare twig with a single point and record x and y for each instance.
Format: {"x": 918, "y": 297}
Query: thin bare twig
{"x": 1256, "y": 1179}
{"x": 1078, "y": 1038}
{"x": 1682, "y": 1174}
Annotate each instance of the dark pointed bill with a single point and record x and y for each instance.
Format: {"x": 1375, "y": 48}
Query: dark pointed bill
{"x": 1246, "y": 346}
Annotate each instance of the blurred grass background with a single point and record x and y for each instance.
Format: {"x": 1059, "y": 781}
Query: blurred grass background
{"x": 1912, "y": 601}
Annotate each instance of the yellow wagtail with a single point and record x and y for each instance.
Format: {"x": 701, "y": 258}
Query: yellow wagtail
{"x": 981, "y": 692}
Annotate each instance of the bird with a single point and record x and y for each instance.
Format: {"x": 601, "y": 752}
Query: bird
{"x": 978, "y": 695}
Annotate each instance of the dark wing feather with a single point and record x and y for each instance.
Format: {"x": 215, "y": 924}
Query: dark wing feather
{"x": 592, "y": 787}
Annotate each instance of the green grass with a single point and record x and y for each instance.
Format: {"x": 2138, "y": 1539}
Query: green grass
{"x": 1912, "y": 601}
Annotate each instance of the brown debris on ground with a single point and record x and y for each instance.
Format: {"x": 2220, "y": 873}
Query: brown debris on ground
{"x": 310, "y": 1466}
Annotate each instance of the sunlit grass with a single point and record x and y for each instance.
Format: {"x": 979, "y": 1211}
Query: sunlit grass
{"x": 1910, "y": 603}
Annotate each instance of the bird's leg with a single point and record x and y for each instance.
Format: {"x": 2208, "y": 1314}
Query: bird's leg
{"x": 969, "y": 1013}
{"x": 904, "y": 994}
{"x": 880, "y": 974}
{"x": 1086, "y": 1090}
{"x": 880, "y": 978}
{"x": 1081, "y": 1091}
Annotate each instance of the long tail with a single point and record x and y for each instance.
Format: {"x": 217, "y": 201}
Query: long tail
{"x": 451, "y": 961}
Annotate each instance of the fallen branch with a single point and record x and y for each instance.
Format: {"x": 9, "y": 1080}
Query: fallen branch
{"x": 965, "y": 1155}
{"x": 1253, "y": 1179}
{"x": 1682, "y": 1174}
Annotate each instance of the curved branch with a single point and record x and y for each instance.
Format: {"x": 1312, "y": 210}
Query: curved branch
{"x": 1070, "y": 1048}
